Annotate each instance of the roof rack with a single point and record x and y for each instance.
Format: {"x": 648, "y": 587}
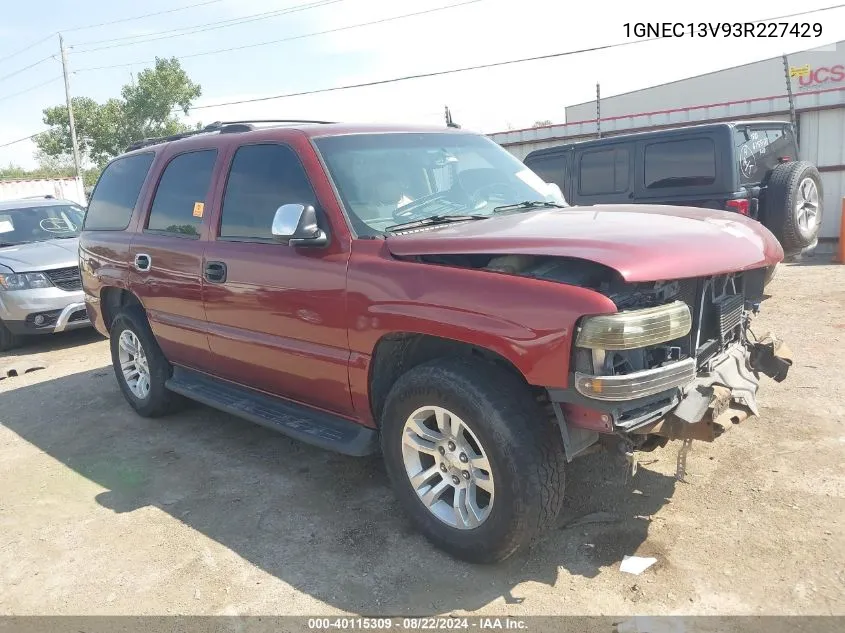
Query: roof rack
{"x": 277, "y": 121}
{"x": 223, "y": 127}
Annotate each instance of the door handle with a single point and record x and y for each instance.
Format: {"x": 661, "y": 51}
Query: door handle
{"x": 215, "y": 272}
{"x": 143, "y": 262}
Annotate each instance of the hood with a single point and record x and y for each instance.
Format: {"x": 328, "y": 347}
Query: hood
{"x": 35, "y": 256}
{"x": 641, "y": 242}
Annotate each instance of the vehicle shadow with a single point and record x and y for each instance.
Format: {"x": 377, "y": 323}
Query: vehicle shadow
{"x": 326, "y": 524}
{"x": 53, "y": 342}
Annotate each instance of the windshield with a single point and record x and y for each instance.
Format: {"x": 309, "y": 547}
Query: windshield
{"x": 389, "y": 179}
{"x": 37, "y": 224}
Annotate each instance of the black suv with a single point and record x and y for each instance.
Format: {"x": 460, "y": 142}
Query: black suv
{"x": 747, "y": 167}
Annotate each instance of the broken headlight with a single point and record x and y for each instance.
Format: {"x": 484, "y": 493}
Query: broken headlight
{"x": 634, "y": 329}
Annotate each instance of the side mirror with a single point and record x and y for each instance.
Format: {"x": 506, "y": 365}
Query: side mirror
{"x": 296, "y": 224}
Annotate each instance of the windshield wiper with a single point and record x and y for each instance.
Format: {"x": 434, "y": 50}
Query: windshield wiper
{"x": 434, "y": 220}
{"x": 529, "y": 204}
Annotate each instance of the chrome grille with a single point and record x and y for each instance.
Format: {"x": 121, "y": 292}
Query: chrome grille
{"x": 65, "y": 278}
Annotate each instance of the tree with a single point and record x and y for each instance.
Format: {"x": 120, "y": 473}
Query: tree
{"x": 104, "y": 130}
{"x": 542, "y": 123}
{"x": 48, "y": 171}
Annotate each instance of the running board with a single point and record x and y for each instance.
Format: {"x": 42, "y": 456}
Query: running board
{"x": 302, "y": 423}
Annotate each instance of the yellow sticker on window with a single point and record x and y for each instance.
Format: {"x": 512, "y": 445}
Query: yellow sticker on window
{"x": 199, "y": 207}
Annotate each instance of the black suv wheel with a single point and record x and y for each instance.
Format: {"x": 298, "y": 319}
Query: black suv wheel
{"x": 794, "y": 199}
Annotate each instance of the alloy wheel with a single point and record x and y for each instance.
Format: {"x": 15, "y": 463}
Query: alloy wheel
{"x": 807, "y": 205}
{"x": 447, "y": 467}
{"x": 133, "y": 364}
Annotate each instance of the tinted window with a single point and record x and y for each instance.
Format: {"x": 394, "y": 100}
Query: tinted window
{"x": 686, "y": 163}
{"x": 262, "y": 178}
{"x": 758, "y": 151}
{"x": 553, "y": 169}
{"x": 117, "y": 192}
{"x": 179, "y": 202}
{"x": 604, "y": 171}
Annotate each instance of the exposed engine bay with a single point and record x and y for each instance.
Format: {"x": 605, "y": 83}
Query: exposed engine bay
{"x": 686, "y": 364}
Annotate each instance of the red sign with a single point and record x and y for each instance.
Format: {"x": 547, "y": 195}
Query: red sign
{"x": 822, "y": 75}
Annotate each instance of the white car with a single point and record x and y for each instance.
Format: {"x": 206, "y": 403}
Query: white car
{"x": 40, "y": 285}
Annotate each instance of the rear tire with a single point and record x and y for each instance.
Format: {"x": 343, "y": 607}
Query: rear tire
{"x": 794, "y": 201}
{"x": 509, "y": 438}
{"x": 7, "y": 339}
{"x": 139, "y": 365}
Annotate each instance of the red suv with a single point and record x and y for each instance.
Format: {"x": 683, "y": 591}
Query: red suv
{"x": 421, "y": 292}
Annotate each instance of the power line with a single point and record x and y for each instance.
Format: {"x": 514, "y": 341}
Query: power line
{"x": 25, "y": 138}
{"x": 91, "y": 26}
{"x": 15, "y": 94}
{"x": 33, "y": 65}
{"x": 437, "y": 73}
{"x": 482, "y": 66}
{"x": 26, "y": 48}
{"x": 294, "y": 37}
{"x": 139, "y": 17}
{"x": 201, "y": 28}
{"x": 450, "y": 71}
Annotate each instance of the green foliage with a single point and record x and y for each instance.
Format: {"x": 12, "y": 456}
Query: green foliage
{"x": 47, "y": 171}
{"x": 185, "y": 229}
{"x": 104, "y": 130}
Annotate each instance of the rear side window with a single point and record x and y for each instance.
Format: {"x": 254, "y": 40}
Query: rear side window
{"x": 603, "y": 171}
{"x": 262, "y": 178}
{"x": 553, "y": 169}
{"x": 685, "y": 163}
{"x": 758, "y": 151}
{"x": 117, "y": 192}
{"x": 179, "y": 202}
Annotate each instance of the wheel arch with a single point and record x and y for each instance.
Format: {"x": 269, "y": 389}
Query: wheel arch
{"x": 112, "y": 300}
{"x": 396, "y": 353}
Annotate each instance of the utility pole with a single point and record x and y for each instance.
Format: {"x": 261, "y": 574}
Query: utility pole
{"x": 598, "y": 110}
{"x": 792, "y": 116}
{"x": 70, "y": 111}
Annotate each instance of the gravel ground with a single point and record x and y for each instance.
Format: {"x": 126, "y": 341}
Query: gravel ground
{"x": 104, "y": 512}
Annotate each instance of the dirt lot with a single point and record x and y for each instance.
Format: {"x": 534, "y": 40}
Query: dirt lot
{"x": 103, "y": 512}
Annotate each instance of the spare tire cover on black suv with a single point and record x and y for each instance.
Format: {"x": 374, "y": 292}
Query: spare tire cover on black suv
{"x": 793, "y": 204}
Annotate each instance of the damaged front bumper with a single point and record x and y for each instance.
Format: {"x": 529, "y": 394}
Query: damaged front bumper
{"x": 725, "y": 393}
{"x": 676, "y": 401}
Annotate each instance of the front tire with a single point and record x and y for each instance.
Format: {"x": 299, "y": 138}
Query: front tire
{"x": 139, "y": 365}
{"x": 472, "y": 457}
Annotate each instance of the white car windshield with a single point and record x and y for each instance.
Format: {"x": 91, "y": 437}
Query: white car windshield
{"x": 26, "y": 224}
{"x": 393, "y": 178}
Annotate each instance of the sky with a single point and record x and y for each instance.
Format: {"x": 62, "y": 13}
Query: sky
{"x": 476, "y": 32}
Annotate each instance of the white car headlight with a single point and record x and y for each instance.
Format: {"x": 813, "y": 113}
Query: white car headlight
{"x": 635, "y": 329}
{"x": 24, "y": 281}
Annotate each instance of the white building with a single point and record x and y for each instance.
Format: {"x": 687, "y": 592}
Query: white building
{"x": 752, "y": 91}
